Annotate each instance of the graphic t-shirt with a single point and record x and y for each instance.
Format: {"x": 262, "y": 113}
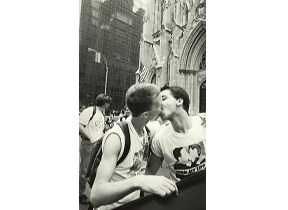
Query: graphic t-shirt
{"x": 136, "y": 161}
{"x": 96, "y": 124}
{"x": 185, "y": 153}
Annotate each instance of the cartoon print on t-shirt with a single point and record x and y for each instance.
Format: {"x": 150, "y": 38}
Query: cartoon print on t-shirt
{"x": 137, "y": 159}
{"x": 190, "y": 159}
{"x": 145, "y": 151}
{"x": 140, "y": 158}
{"x": 99, "y": 122}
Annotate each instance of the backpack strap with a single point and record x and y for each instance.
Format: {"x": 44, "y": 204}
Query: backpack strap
{"x": 148, "y": 133}
{"x": 94, "y": 112}
{"x": 149, "y": 140}
{"x": 124, "y": 126}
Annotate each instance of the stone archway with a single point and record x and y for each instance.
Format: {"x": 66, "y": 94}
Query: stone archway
{"x": 193, "y": 47}
{"x": 192, "y": 73}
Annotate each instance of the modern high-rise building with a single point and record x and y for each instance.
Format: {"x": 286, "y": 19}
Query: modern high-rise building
{"x": 173, "y": 48}
{"x": 112, "y": 28}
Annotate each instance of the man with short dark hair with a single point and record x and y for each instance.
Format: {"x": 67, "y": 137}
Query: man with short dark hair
{"x": 90, "y": 129}
{"x": 117, "y": 185}
{"x": 182, "y": 143}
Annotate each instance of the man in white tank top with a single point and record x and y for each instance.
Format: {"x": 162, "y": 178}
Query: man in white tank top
{"x": 182, "y": 143}
{"x": 91, "y": 129}
{"x": 115, "y": 186}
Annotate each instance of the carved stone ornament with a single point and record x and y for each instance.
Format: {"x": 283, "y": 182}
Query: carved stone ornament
{"x": 200, "y": 11}
{"x": 166, "y": 4}
{"x": 203, "y": 61}
{"x": 154, "y": 61}
{"x": 200, "y": 77}
{"x": 145, "y": 17}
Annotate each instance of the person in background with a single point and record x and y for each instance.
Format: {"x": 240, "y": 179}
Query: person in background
{"x": 126, "y": 114}
{"x": 121, "y": 113}
{"x": 90, "y": 129}
{"x": 81, "y": 109}
{"x": 109, "y": 123}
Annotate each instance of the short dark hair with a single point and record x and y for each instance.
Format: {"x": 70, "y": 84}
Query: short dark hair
{"x": 139, "y": 97}
{"x": 178, "y": 92}
{"x": 101, "y": 99}
{"x": 109, "y": 99}
{"x": 197, "y": 146}
{"x": 177, "y": 153}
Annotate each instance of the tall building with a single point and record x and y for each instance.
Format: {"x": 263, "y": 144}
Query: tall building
{"x": 173, "y": 48}
{"x": 113, "y": 28}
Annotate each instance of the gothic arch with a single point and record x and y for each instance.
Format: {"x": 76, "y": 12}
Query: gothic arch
{"x": 193, "y": 47}
{"x": 151, "y": 75}
{"x": 189, "y": 64}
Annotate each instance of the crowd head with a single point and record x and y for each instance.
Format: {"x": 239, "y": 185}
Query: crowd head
{"x": 103, "y": 99}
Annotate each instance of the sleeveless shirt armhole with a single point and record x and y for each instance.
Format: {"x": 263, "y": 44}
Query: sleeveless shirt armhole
{"x": 121, "y": 142}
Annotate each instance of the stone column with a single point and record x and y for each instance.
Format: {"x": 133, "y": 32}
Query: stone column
{"x": 147, "y": 39}
{"x": 156, "y": 20}
{"x": 165, "y": 37}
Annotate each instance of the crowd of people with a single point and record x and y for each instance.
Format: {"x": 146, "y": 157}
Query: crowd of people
{"x": 180, "y": 142}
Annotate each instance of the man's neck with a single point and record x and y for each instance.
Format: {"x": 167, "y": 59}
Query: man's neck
{"x": 181, "y": 123}
{"x": 99, "y": 108}
{"x": 138, "y": 124}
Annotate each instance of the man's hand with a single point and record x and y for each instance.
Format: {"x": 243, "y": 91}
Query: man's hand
{"x": 159, "y": 185}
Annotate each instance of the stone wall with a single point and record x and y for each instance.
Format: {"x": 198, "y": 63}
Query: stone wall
{"x": 173, "y": 45}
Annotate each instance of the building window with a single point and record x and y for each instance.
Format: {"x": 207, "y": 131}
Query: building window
{"x": 95, "y": 13}
{"x": 94, "y": 22}
{"x": 95, "y": 4}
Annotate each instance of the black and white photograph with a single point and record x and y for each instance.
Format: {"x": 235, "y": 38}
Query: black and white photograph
{"x": 105, "y": 106}
{"x": 142, "y": 63}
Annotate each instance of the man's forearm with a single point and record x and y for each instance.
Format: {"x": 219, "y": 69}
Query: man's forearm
{"x": 109, "y": 192}
{"x": 83, "y": 132}
{"x": 151, "y": 170}
{"x": 153, "y": 165}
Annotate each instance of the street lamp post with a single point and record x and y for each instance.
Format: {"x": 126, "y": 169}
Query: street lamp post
{"x": 92, "y": 50}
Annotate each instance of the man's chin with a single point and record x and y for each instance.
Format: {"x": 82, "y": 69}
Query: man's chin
{"x": 155, "y": 118}
{"x": 163, "y": 118}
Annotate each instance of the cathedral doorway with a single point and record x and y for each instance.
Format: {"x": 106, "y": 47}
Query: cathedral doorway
{"x": 202, "y": 107}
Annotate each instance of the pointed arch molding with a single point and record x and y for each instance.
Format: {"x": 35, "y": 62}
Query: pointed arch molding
{"x": 151, "y": 72}
{"x": 193, "y": 48}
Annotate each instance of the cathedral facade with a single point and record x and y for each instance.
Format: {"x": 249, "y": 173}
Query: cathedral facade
{"x": 173, "y": 48}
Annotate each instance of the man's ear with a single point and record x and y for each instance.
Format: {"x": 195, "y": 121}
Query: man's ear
{"x": 145, "y": 114}
{"x": 179, "y": 101}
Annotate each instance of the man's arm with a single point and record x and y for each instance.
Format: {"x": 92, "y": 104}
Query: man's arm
{"x": 153, "y": 164}
{"x": 84, "y": 121}
{"x": 104, "y": 192}
{"x": 83, "y": 132}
